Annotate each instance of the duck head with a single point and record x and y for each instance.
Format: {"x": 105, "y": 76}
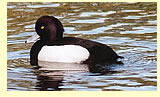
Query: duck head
{"x": 48, "y": 28}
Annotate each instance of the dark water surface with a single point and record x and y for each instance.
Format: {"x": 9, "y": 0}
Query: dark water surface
{"x": 129, "y": 28}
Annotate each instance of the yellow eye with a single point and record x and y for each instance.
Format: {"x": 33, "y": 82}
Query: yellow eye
{"x": 42, "y": 27}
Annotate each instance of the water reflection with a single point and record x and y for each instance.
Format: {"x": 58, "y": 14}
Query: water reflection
{"x": 53, "y": 75}
{"x": 130, "y": 28}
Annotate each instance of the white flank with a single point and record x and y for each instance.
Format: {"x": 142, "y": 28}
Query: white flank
{"x": 65, "y": 53}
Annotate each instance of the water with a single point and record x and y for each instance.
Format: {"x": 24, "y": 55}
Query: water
{"x": 130, "y": 28}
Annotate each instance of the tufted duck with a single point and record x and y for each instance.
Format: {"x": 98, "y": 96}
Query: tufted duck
{"x": 53, "y": 47}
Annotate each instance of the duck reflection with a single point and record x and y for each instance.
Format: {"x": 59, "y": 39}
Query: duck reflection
{"x": 52, "y": 74}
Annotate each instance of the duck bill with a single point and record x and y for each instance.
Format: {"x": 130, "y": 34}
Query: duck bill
{"x": 33, "y": 38}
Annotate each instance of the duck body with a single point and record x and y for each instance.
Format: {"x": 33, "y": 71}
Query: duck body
{"x": 53, "y": 47}
{"x": 98, "y": 53}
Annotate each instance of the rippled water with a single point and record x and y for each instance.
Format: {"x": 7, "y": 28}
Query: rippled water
{"x": 129, "y": 28}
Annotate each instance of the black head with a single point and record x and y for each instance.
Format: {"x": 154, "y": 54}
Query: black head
{"x": 49, "y": 28}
